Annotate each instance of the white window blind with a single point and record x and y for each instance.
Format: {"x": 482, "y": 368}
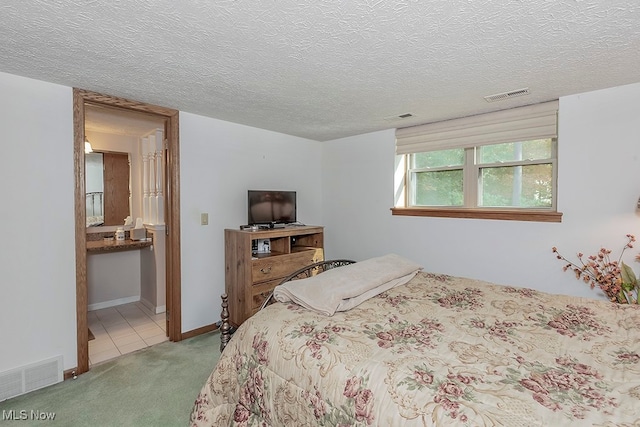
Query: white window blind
{"x": 536, "y": 121}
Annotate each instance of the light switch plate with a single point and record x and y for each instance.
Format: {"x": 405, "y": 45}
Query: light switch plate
{"x": 204, "y": 218}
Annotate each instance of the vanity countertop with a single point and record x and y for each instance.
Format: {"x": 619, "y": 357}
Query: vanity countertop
{"x": 112, "y": 245}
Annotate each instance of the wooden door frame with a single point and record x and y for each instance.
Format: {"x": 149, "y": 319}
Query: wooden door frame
{"x": 172, "y": 217}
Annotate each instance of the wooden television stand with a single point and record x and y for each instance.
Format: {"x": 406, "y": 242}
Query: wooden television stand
{"x": 251, "y": 275}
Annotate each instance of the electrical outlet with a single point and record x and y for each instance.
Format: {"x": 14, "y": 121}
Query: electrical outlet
{"x": 204, "y": 218}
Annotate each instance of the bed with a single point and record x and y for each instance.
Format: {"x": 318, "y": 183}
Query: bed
{"x": 94, "y": 205}
{"x": 437, "y": 350}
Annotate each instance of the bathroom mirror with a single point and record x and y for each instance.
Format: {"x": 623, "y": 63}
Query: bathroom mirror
{"x": 108, "y": 190}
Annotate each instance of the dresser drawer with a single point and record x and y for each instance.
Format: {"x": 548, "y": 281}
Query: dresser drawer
{"x": 279, "y": 266}
{"x": 261, "y": 291}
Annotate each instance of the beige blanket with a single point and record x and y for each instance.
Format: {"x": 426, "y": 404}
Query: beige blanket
{"x": 346, "y": 287}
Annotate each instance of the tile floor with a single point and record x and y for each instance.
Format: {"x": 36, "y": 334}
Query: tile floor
{"x": 123, "y": 329}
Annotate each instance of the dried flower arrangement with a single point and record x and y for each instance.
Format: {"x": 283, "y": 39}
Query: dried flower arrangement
{"x": 616, "y": 279}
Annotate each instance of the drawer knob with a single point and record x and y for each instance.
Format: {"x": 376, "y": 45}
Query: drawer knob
{"x": 265, "y": 270}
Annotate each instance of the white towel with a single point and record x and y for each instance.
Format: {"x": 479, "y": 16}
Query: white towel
{"x": 343, "y": 288}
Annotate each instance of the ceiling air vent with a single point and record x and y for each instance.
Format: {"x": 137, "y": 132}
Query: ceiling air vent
{"x": 400, "y": 116}
{"x": 507, "y": 95}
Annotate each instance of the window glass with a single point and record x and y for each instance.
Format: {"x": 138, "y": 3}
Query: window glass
{"x": 441, "y": 188}
{"x": 516, "y": 186}
{"x": 516, "y": 151}
{"x": 438, "y": 159}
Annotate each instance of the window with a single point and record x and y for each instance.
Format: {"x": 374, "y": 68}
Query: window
{"x": 500, "y": 165}
{"x": 512, "y": 174}
{"x": 436, "y": 178}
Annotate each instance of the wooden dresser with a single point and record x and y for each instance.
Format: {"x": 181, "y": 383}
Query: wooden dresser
{"x": 251, "y": 275}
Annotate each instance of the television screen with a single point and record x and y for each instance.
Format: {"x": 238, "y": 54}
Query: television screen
{"x": 272, "y": 207}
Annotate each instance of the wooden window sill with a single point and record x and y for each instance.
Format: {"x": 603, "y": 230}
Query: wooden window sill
{"x": 478, "y": 213}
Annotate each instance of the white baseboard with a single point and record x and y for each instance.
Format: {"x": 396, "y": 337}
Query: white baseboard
{"x": 152, "y": 307}
{"x": 112, "y": 303}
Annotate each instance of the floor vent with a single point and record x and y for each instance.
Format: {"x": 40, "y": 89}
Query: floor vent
{"x": 507, "y": 95}
{"x": 30, "y": 377}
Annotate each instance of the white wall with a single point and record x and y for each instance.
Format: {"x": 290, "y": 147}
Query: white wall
{"x": 37, "y": 266}
{"x": 598, "y": 186}
{"x": 219, "y": 162}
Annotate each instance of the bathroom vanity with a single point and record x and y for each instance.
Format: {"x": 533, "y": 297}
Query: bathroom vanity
{"x": 124, "y": 271}
{"x": 112, "y": 245}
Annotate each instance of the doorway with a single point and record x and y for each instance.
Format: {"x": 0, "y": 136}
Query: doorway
{"x": 172, "y": 213}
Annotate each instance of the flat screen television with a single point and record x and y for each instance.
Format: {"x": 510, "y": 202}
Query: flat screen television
{"x": 268, "y": 207}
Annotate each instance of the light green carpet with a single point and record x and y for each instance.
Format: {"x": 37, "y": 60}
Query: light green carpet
{"x": 155, "y": 386}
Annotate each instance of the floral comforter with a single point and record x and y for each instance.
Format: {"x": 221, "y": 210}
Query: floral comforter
{"x": 438, "y": 351}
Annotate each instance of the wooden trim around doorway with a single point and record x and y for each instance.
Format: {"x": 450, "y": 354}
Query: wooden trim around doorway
{"x": 172, "y": 214}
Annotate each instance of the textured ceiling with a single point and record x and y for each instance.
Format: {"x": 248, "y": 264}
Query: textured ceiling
{"x": 325, "y": 69}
